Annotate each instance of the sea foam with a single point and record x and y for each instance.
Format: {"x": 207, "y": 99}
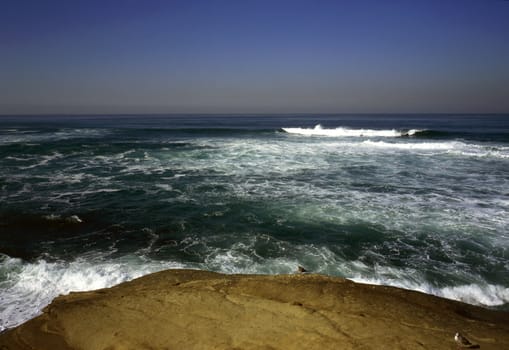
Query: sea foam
{"x": 487, "y": 295}
{"x": 32, "y": 286}
{"x": 318, "y": 130}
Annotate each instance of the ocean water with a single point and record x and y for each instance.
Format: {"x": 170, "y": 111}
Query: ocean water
{"x": 414, "y": 201}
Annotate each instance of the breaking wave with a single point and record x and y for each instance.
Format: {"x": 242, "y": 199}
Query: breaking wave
{"x": 32, "y": 286}
{"x": 418, "y": 203}
{"x": 318, "y": 130}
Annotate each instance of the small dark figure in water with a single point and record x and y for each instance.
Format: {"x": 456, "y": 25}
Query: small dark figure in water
{"x": 300, "y": 269}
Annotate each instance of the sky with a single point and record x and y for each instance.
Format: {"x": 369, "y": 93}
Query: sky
{"x": 254, "y": 56}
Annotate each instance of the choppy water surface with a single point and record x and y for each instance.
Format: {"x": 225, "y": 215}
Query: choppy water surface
{"x": 420, "y": 202}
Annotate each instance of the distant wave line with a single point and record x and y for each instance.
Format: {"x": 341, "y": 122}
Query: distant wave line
{"x": 318, "y": 130}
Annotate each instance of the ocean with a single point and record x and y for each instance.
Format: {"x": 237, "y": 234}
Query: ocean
{"x": 413, "y": 201}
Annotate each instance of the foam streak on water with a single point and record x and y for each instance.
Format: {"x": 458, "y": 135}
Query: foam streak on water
{"x": 414, "y": 202}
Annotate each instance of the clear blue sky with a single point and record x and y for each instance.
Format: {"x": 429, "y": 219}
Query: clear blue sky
{"x": 254, "y": 56}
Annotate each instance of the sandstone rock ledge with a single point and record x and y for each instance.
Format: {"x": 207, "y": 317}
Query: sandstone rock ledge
{"x": 187, "y": 309}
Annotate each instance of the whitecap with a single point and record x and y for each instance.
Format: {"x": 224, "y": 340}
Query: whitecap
{"x": 74, "y": 219}
{"x": 318, "y": 130}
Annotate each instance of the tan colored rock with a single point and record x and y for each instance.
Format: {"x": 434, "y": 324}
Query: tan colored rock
{"x": 185, "y": 309}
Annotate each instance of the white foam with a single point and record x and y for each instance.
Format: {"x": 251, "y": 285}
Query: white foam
{"x": 52, "y": 217}
{"x": 62, "y": 134}
{"x": 74, "y": 219}
{"x": 239, "y": 259}
{"x": 20, "y": 159}
{"x": 441, "y": 146}
{"x": 67, "y": 178}
{"x": 481, "y": 151}
{"x": 481, "y": 295}
{"x": 44, "y": 160}
{"x": 318, "y": 130}
{"x": 488, "y": 294}
{"x": 114, "y": 157}
{"x": 165, "y": 187}
{"x": 32, "y": 286}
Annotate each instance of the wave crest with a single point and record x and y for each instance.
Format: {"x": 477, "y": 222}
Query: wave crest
{"x": 318, "y": 130}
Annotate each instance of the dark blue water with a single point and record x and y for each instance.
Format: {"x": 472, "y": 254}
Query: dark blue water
{"x": 416, "y": 201}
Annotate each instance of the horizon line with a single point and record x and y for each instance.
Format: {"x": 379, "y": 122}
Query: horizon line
{"x": 249, "y": 113}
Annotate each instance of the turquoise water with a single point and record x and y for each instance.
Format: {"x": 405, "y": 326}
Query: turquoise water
{"x": 416, "y": 201}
